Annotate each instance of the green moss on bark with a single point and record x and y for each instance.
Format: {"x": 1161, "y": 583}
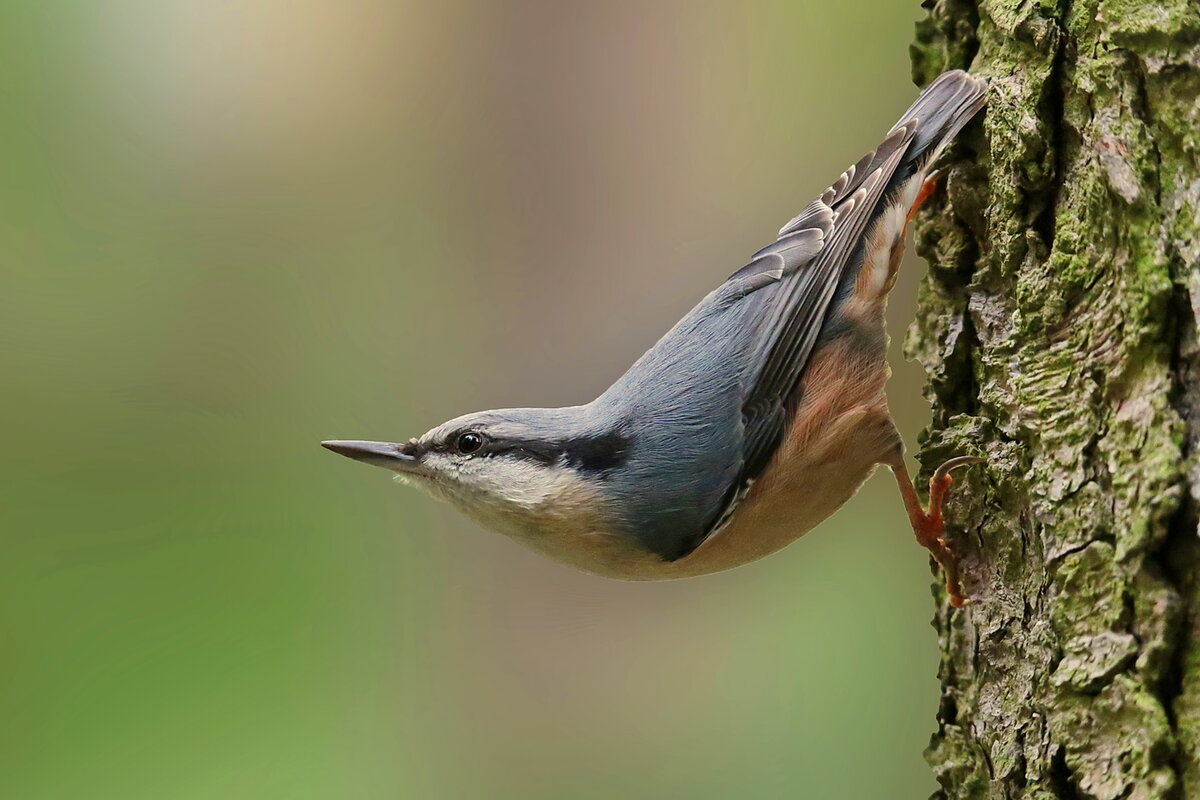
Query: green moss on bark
{"x": 1057, "y": 327}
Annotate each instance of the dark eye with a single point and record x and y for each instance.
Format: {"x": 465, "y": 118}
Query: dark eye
{"x": 468, "y": 442}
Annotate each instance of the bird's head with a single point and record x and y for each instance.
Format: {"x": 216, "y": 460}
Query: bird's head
{"x": 512, "y": 469}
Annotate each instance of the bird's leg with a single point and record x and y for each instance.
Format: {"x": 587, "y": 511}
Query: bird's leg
{"x": 929, "y": 525}
{"x": 927, "y": 188}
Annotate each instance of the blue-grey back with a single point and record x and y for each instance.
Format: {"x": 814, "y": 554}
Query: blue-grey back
{"x": 680, "y": 405}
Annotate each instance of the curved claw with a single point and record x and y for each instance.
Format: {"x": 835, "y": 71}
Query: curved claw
{"x": 928, "y": 525}
{"x": 939, "y": 485}
{"x": 945, "y": 469}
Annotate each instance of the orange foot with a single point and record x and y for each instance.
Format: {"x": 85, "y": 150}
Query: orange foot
{"x": 929, "y": 526}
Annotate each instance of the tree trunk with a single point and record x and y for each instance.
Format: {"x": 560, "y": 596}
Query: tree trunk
{"x": 1058, "y": 328}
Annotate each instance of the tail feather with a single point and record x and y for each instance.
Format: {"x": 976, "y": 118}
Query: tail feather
{"x": 938, "y": 114}
{"x": 941, "y": 111}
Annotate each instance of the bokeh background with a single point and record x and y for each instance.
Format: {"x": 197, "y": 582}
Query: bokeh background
{"x": 229, "y": 230}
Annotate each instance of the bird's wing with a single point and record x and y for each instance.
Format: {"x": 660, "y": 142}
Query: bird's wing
{"x": 813, "y": 253}
{"x": 808, "y": 275}
{"x": 841, "y": 216}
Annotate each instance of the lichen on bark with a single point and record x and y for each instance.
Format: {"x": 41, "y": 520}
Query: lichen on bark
{"x": 1057, "y": 327}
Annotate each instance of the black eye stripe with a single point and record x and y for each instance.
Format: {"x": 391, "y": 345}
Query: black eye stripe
{"x": 540, "y": 452}
{"x": 587, "y": 453}
{"x": 597, "y": 453}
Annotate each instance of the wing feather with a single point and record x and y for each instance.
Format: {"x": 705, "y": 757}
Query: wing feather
{"x": 805, "y": 265}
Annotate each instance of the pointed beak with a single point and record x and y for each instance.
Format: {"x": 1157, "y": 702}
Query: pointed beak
{"x": 378, "y": 454}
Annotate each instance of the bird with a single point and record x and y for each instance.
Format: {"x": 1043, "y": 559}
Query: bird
{"x": 752, "y": 420}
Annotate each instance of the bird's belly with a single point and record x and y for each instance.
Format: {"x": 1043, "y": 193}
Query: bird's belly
{"x": 795, "y": 497}
{"x": 790, "y": 505}
{"x": 790, "y": 498}
{"x": 841, "y": 432}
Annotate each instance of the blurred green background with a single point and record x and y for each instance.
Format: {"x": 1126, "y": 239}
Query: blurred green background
{"x": 232, "y": 229}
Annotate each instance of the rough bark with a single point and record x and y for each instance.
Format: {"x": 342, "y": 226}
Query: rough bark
{"x": 1058, "y": 328}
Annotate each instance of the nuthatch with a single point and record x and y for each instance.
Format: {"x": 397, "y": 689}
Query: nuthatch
{"x": 752, "y": 420}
